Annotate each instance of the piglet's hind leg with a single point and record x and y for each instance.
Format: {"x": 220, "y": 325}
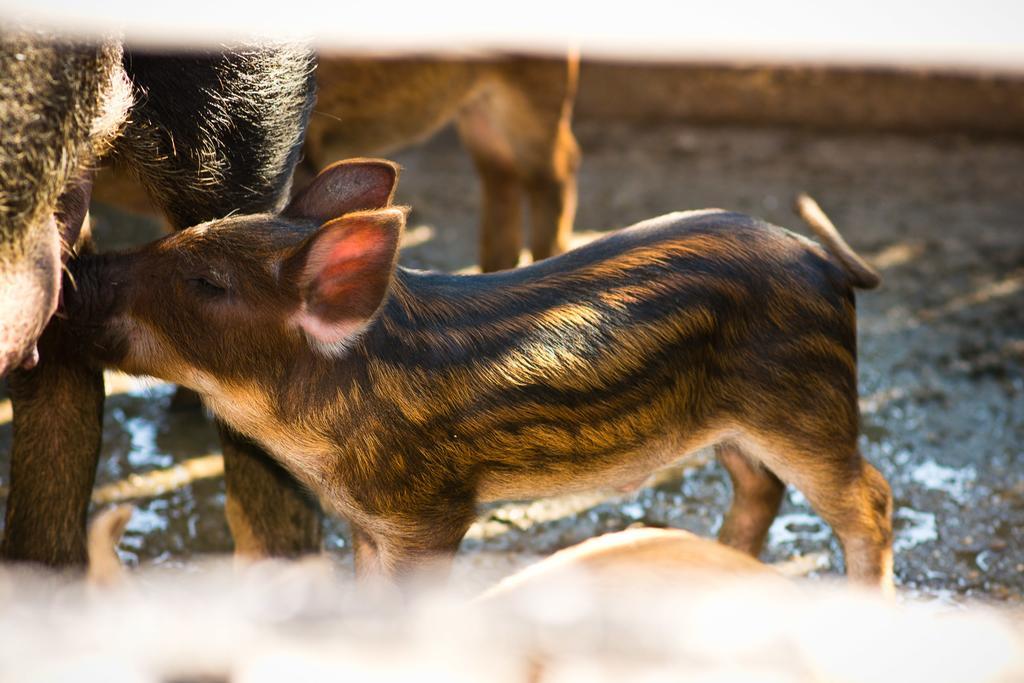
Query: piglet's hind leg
{"x": 849, "y": 494}
{"x": 756, "y": 496}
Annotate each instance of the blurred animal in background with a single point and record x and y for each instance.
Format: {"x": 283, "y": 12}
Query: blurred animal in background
{"x": 513, "y": 115}
{"x": 206, "y": 133}
{"x": 404, "y": 398}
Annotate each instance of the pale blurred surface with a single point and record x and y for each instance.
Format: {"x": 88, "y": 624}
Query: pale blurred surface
{"x": 986, "y": 34}
{"x": 304, "y": 623}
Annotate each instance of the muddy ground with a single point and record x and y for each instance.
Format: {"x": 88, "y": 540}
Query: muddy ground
{"x": 942, "y": 345}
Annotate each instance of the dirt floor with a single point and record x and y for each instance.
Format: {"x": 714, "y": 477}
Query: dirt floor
{"x": 942, "y": 345}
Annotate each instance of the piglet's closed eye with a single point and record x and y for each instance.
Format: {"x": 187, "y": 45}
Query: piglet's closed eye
{"x": 342, "y": 272}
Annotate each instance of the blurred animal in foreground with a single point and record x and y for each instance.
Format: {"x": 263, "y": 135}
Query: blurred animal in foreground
{"x": 104, "y": 535}
{"x": 614, "y": 561}
{"x": 404, "y": 398}
{"x": 636, "y": 605}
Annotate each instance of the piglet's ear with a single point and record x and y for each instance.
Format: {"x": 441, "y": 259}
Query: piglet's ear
{"x": 342, "y": 272}
{"x": 345, "y": 187}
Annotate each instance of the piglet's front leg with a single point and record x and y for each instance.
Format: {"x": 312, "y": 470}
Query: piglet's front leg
{"x": 414, "y": 547}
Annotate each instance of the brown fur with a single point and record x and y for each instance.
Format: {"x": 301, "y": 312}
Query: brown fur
{"x": 53, "y": 466}
{"x": 591, "y": 368}
{"x": 54, "y": 459}
{"x": 513, "y": 114}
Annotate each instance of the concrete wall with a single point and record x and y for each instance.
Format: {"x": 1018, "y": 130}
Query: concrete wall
{"x": 822, "y": 97}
